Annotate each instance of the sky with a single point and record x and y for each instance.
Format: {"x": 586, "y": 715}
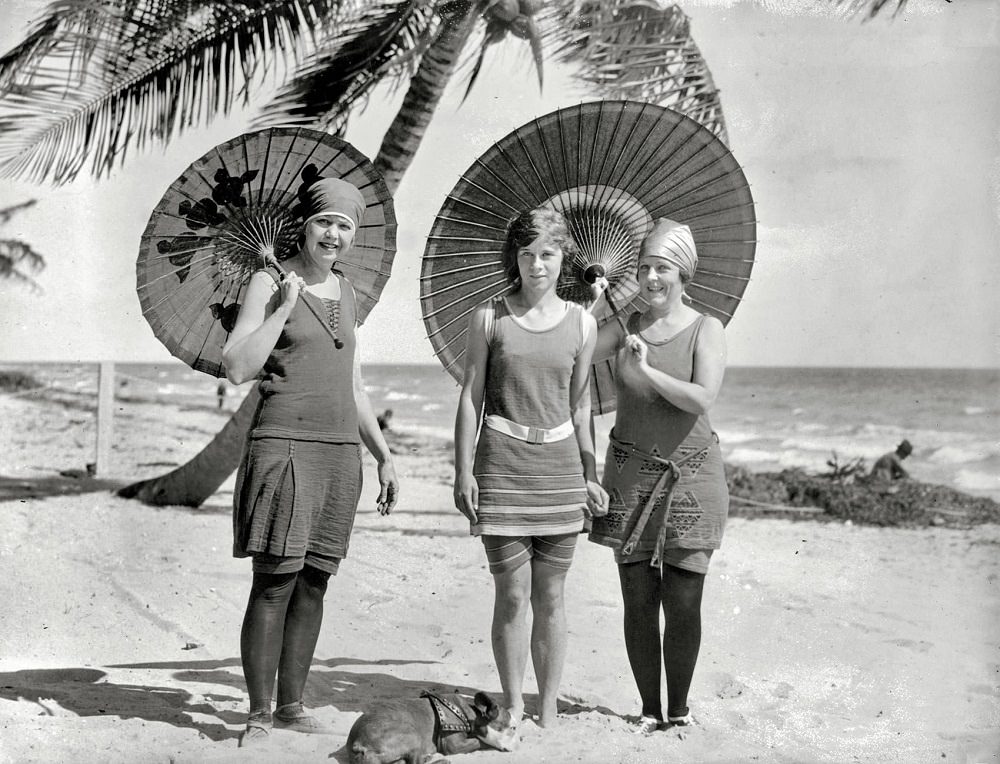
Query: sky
{"x": 872, "y": 150}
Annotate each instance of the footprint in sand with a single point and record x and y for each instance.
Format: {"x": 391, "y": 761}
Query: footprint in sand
{"x": 728, "y": 687}
{"x": 920, "y": 647}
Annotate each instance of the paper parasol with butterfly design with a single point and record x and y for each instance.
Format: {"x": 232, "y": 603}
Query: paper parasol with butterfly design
{"x": 236, "y": 206}
{"x": 612, "y": 168}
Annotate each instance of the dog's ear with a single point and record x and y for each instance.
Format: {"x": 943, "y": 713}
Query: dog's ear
{"x": 485, "y": 706}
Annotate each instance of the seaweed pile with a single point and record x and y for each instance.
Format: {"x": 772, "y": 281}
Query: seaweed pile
{"x": 849, "y": 495}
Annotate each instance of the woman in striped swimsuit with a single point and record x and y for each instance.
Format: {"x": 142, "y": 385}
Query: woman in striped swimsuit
{"x": 528, "y": 482}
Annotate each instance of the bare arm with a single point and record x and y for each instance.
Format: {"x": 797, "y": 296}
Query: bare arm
{"x": 374, "y": 440}
{"x": 265, "y": 309}
{"x": 470, "y": 413}
{"x": 698, "y": 395}
{"x": 583, "y": 418}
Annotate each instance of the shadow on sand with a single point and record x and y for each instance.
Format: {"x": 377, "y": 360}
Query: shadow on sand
{"x": 87, "y": 692}
{"x": 15, "y": 488}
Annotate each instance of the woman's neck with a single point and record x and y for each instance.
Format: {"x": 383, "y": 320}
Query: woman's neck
{"x": 309, "y": 270}
{"x": 540, "y": 301}
{"x": 671, "y": 313}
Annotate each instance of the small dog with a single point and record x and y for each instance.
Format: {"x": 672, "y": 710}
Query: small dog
{"x": 419, "y": 730}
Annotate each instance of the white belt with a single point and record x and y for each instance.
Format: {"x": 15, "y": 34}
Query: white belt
{"x": 530, "y": 434}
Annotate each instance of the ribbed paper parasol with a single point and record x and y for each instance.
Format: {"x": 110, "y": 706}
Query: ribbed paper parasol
{"x": 229, "y": 210}
{"x": 611, "y": 167}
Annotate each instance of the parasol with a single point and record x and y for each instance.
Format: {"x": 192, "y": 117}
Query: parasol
{"x": 236, "y": 206}
{"x": 612, "y": 168}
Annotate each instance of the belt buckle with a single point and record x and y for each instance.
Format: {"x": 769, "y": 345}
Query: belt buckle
{"x": 536, "y": 435}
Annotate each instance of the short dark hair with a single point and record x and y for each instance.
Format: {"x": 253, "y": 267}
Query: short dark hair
{"x": 528, "y": 226}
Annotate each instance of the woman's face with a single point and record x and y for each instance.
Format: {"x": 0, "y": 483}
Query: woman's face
{"x": 539, "y": 264}
{"x": 659, "y": 281}
{"x": 328, "y": 236}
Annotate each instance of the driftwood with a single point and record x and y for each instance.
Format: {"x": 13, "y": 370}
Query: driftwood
{"x": 765, "y": 507}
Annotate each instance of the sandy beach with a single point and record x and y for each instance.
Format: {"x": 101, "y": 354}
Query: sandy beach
{"x": 119, "y": 640}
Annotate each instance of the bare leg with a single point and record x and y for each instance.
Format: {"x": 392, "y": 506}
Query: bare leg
{"x": 261, "y": 637}
{"x": 509, "y": 633}
{"x": 682, "y": 590}
{"x": 302, "y": 625}
{"x": 641, "y": 586}
{"x": 548, "y": 635}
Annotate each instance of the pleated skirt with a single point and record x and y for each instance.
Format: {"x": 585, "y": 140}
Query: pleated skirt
{"x": 296, "y": 496}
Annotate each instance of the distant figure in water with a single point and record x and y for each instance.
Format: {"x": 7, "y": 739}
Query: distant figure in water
{"x": 220, "y": 393}
{"x": 384, "y": 419}
{"x": 890, "y": 466}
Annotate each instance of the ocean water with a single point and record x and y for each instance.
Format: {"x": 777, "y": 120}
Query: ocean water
{"x": 766, "y": 418}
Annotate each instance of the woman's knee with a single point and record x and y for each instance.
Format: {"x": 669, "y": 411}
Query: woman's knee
{"x": 272, "y": 587}
{"x": 682, "y": 590}
{"x": 641, "y": 588}
{"x": 548, "y": 588}
{"x": 314, "y": 579}
{"x": 513, "y": 592}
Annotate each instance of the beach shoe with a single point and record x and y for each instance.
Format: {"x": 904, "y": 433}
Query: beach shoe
{"x": 292, "y": 716}
{"x": 647, "y": 725}
{"x": 256, "y": 733}
{"x": 681, "y": 721}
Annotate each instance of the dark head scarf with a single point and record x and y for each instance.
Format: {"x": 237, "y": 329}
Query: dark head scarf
{"x": 332, "y": 196}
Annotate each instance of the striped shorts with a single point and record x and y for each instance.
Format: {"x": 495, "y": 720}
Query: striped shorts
{"x": 508, "y": 553}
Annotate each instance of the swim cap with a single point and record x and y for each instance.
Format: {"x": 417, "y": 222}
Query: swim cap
{"x": 333, "y": 196}
{"x": 673, "y": 242}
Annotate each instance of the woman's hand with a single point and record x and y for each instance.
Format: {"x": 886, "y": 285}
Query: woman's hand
{"x": 638, "y": 349}
{"x": 467, "y": 496}
{"x": 599, "y": 287}
{"x": 597, "y": 499}
{"x": 290, "y": 287}
{"x": 389, "y": 488}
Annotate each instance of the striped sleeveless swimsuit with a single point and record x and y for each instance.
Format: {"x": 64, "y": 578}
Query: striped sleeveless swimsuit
{"x": 530, "y": 489}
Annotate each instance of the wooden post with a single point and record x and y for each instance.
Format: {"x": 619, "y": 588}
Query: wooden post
{"x": 105, "y": 417}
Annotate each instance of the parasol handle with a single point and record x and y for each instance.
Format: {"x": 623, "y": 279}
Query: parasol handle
{"x": 593, "y": 272}
{"x": 271, "y": 260}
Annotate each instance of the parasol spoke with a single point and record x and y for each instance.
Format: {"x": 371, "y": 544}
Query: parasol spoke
{"x": 472, "y": 223}
{"x": 459, "y": 284}
{"x": 490, "y": 290}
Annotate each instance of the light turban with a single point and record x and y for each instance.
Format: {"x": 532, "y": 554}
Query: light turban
{"x": 673, "y": 242}
{"x": 333, "y": 196}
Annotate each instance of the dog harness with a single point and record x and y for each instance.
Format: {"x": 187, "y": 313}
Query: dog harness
{"x": 450, "y": 717}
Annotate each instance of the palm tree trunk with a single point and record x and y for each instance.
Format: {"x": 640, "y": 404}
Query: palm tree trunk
{"x": 404, "y": 135}
{"x": 193, "y": 482}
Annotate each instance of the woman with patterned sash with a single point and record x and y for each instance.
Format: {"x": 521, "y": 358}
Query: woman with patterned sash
{"x": 527, "y": 482}
{"x": 668, "y": 499}
{"x": 298, "y": 485}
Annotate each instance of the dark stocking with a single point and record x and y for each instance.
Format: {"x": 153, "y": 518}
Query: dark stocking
{"x": 682, "y": 591}
{"x": 302, "y": 623}
{"x": 261, "y": 636}
{"x": 641, "y": 595}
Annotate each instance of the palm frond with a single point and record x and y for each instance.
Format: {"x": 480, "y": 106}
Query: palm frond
{"x": 18, "y": 261}
{"x": 381, "y": 42}
{"x": 870, "y": 8}
{"x": 638, "y": 50}
{"x": 8, "y": 212}
{"x": 80, "y": 89}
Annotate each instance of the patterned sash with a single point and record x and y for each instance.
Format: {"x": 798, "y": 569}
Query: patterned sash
{"x": 666, "y": 482}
